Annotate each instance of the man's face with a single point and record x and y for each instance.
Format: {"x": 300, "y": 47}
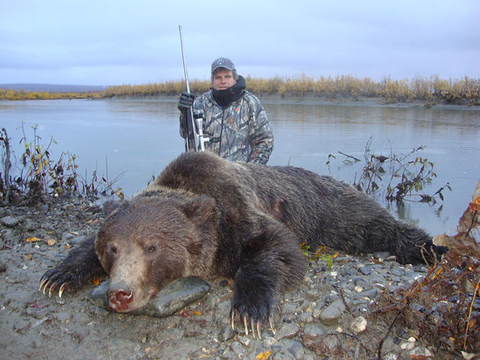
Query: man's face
{"x": 223, "y": 79}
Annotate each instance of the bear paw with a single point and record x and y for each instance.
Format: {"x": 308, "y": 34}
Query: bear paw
{"x": 57, "y": 278}
{"x": 253, "y": 316}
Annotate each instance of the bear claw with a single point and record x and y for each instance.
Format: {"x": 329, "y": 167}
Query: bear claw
{"x": 60, "y": 291}
{"x": 47, "y": 286}
{"x": 255, "y": 326}
{"x": 42, "y": 282}
{"x": 44, "y": 286}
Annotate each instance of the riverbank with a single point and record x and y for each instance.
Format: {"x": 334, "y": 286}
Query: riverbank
{"x": 343, "y": 309}
{"x": 359, "y": 101}
{"x": 429, "y": 90}
{"x": 311, "y": 99}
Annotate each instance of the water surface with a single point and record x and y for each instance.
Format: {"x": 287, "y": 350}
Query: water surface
{"x": 135, "y": 139}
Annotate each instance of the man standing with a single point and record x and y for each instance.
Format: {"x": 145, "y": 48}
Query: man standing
{"x": 234, "y": 120}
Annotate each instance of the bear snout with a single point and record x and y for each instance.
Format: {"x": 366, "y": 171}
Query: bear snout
{"x": 120, "y": 296}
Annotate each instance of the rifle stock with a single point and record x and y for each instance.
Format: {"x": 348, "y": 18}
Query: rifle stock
{"x": 190, "y": 136}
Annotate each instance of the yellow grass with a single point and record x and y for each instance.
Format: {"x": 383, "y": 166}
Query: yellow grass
{"x": 44, "y": 95}
{"x": 431, "y": 90}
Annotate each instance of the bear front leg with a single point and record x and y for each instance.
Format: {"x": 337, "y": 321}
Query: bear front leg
{"x": 271, "y": 263}
{"x": 71, "y": 274}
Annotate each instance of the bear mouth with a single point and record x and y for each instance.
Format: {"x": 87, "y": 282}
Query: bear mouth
{"x": 120, "y": 300}
{"x": 128, "y": 301}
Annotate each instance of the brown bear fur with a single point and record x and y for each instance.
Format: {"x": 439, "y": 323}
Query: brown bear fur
{"x": 206, "y": 216}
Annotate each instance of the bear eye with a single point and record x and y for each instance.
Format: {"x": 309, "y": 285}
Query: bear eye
{"x": 112, "y": 248}
{"x": 151, "y": 249}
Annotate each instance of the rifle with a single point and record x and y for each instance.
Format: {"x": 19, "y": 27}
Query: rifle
{"x": 194, "y": 134}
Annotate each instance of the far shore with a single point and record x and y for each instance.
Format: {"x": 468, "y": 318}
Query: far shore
{"x": 308, "y": 98}
{"x": 343, "y": 89}
{"x": 311, "y": 99}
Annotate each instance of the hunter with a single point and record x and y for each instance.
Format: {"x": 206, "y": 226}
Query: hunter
{"x": 234, "y": 121}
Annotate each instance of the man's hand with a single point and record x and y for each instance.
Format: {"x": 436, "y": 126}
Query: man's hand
{"x": 186, "y": 101}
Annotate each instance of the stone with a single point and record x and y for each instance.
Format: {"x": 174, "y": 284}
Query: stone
{"x": 9, "y": 221}
{"x": 30, "y": 225}
{"x": 366, "y": 270}
{"x": 332, "y": 313}
{"x": 359, "y": 325}
{"x": 288, "y": 330}
{"x": 420, "y": 352}
{"x": 168, "y": 301}
{"x": 7, "y": 236}
{"x": 237, "y": 348}
{"x": 226, "y": 333}
{"x": 314, "y": 330}
{"x": 294, "y": 347}
{"x": 370, "y": 294}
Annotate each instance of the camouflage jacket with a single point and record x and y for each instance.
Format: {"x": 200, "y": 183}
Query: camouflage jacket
{"x": 239, "y": 132}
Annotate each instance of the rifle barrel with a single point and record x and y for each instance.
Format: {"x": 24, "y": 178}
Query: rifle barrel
{"x": 191, "y": 136}
{"x": 183, "y": 58}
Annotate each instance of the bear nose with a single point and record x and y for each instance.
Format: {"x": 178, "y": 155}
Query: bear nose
{"x": 120, "y": 296}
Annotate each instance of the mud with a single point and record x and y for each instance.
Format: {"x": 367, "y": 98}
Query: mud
{"x": 327, "y": 317}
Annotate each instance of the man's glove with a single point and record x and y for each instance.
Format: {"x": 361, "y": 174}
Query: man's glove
{"x": 186, "y": 101}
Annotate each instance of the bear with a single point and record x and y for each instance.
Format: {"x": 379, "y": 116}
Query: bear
{"x": 206, "y": 216}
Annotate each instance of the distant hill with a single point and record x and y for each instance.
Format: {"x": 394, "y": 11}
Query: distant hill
{"x": 53, "y": 88}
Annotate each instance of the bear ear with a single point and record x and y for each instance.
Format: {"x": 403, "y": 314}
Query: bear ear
{"x": 200, "y": 209}
{"x": 110, "y": 206}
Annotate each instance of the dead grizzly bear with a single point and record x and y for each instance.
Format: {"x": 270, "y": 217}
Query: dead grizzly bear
{"x": 207, "y": 216}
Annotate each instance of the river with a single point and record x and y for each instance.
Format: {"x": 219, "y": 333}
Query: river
{"x": 130, "y": 141}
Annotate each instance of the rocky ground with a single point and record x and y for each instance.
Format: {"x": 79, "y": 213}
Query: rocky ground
{"x": 329, "y": 317}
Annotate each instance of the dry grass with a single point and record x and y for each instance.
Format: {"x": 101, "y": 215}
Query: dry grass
{"x": 443, "y": 308}
{"x": 431, "y": 90}
{"x": 36, "y": 95}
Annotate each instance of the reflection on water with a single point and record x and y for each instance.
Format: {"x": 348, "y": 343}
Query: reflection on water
{"x": 137, "y": 138}
{"x": 307, "y": 134}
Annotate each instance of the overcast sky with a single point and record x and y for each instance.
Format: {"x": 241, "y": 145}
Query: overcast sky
{"x": 113, "y": 42}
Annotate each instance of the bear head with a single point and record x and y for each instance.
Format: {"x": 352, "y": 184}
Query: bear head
{"x": 148, "y": 242}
